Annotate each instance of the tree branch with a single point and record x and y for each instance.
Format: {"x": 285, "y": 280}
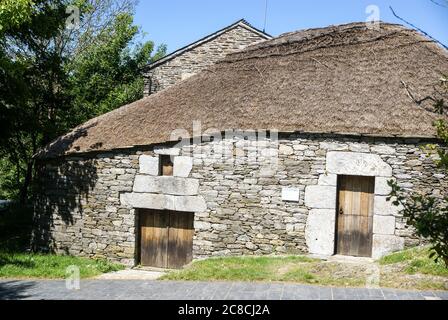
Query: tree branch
{"x": 417, "y": 28}
{"x": 439, "y": 4}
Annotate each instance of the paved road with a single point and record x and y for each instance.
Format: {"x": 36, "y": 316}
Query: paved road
{"x": 164, "y": 290}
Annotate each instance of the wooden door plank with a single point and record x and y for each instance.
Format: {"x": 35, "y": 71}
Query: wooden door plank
{"x": 160, "y": 239}
{"x": 153, "y": 244}
{"x": 146, "y": 228}
{"x": 180, "y": 243}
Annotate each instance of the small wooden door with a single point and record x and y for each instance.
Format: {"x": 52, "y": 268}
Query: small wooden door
{"x": 166, "y": 238}
{"x": 355, "y": 216}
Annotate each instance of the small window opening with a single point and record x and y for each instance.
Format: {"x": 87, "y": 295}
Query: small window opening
{"x": 166, "y": 165}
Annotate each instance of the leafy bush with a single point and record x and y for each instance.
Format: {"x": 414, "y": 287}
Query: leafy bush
{"x": 428, "y": 216}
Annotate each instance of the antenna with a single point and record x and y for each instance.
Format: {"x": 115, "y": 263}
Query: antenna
{"x": 265, "y": 15}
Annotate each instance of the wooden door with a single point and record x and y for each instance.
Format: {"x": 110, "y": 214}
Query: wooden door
{"x": 180, "y": 239}
{"x": 166, "y": 238}
{"x": 154, "y": 238}
{"x": 355, "y": 216}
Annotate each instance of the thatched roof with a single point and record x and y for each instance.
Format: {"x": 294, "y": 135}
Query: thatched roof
{"x": 343, "y": 79}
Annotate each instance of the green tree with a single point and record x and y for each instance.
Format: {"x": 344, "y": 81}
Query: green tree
{"x": 107, "y": 74}
{"x": 31, "y": 79}
{"x": 47, "y": 81}
{"x": 427, "y": 214}
{"x": 14, "y": 12}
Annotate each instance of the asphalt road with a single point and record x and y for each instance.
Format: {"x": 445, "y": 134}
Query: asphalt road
{"x": 173, "y": 290}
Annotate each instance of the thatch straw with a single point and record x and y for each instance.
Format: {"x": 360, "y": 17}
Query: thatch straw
{"x": 343, "y": 79}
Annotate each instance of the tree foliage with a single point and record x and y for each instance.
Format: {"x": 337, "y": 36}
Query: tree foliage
{"x": 14, "y": 12}
{"x": 54, "y": 77}
{"x": 108, "y": 73}
{"x": 428, "y": 214}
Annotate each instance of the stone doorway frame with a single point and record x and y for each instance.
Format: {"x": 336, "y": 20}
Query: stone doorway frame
{"x": 321, "y": 199}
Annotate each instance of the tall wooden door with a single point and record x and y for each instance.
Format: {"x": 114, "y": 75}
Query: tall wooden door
{"x": 180, "y": 239}
{"x": 355, "y": 216}
{"x": 166, "y": 238}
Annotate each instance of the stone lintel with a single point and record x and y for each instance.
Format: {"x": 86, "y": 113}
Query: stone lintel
{"x": 166, "y": 151}
{"x": 164, "y": 202}
{"x": 358, "y": 164}
{"x": 166, "y": 185}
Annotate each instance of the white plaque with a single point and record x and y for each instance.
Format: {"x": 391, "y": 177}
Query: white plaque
{"x": 291, "y": 194}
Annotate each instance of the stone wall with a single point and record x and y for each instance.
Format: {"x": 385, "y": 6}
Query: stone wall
{"x": 249, "y": 197}
{"x": 197, "y": 59}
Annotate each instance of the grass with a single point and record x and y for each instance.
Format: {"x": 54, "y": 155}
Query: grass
{"x": 416, "y": 261}
{"x": 410, "y": 269}
{"x": 40, "y": 266}
{"x": 298, "y": 269}
{"x": 240, "y": 269}
{"x": 17, "y": 263}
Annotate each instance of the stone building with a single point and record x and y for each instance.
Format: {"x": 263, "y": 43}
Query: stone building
{"x": 197, "y": 56}
{"x": 285, "y": 147}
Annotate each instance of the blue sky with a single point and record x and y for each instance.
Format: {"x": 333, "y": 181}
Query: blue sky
{"x": 180, "y": 22}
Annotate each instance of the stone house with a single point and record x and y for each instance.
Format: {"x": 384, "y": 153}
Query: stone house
{"x": 197, "y": 56}
{"x": 284, "y": 147}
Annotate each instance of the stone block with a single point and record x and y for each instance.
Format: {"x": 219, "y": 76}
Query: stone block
{"x": 200, "y": 225}
{"x": 149, "y": 165}
{"x": 143, "y": 201}
{"x": 385, "y": 244}
{"x": 360, "y": 164}
{"x": 166, "y": 185}
{"x": 383, "y": 150}
{"x": 381, "y": 186}
{"x": 328, "y": 180}
{"x": 189, "y": 204}
{"x": 320, "y": 231}
{"x": 384, "y": 225}
{"x": 359, "y": 147}
{"x": 146, "y": 184}
{"x": 267, "y": 172}
{"x": 166, "y": 151}
{"x": 164, "y": 202}
{"x": 382, "y": 207}
{"x": 182, "y": 166}
{"x": 320, "y": 197}
{"x": 333, "y": 146}
{"x": 285, "y": 150}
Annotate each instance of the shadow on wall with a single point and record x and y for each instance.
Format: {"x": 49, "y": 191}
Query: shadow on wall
{"x": 62, "y": 186}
